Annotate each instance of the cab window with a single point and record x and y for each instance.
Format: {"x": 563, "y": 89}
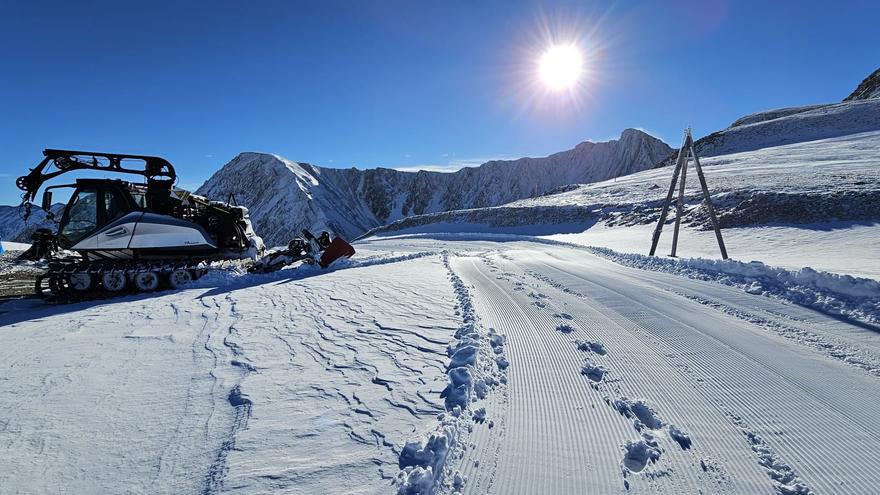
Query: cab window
{"x": 82, "y": 216}
{"x": 115, "y": 205}
{"x": 139, "y": 198}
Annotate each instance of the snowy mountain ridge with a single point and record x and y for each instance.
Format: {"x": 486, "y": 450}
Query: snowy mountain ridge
{"x": 784, "y": 126}
{"x": 285, "y": 196}
{"x": 869, "y": 88}
{"x": 858, "y": 112}
{"x": 13, "y": 227}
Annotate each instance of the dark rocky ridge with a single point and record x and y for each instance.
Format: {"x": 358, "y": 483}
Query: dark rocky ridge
{"x": 868, "y": 88}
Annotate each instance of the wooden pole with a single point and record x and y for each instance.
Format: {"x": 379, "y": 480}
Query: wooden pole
{"x": 656, "y": 237}
{"x": 709, "y": 203}
{"x": 679, "y": 207}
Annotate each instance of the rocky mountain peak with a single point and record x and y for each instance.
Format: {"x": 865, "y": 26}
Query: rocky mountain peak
{"x": 869, "y": 88}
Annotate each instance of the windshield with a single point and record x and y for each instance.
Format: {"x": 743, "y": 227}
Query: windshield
{"x": 82, "y": 216}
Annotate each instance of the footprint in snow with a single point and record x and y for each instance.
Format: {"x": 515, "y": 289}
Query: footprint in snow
{"x": 589, "y": 346}
{"x": 680, "y": 437}
{"x": 593, "y": 372}
{"x": 638, "y": 410}
{"x": 639, "y": 454}
{"x": 564, "y": 316}
{"x": 565, "y": 328}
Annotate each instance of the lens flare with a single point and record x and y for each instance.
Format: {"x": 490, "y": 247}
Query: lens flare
{"x": 561, "y": 66}
{"x": 558, "y": 62}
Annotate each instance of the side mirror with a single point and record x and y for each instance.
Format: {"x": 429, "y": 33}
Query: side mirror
{"x": 47, "y": 200}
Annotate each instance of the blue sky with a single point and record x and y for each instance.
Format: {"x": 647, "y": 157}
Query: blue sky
{"x": 397, "y": 84}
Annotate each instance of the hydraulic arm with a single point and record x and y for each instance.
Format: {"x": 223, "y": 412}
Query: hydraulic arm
{"x": 58, "y": 162}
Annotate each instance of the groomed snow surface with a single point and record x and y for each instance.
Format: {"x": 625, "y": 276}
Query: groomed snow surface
{"x": 433, "y": 364}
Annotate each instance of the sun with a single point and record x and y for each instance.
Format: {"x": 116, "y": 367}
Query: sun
{"x": 561, "y": 66}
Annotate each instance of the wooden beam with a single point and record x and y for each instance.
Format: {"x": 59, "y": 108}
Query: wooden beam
{"x": 665, "y": 211}
{"x": 709, "y": 203}
{"x": 679, "y": 207}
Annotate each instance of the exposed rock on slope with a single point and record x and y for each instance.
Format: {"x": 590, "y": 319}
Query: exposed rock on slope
{"x": 869, "y": 88}
{"x": 285, "y": 196}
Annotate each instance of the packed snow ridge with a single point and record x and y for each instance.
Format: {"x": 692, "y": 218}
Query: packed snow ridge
{"x": 284, "y": 196}
{"x": 476, "y": 365}
{"x": 844, "y": 295}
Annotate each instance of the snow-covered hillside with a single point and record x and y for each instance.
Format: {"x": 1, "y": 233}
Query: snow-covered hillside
{"x": 859, "y": 112}
{"x": 791, "y": 125}
{"x": 285, "y": 197}
{"x": 13, "y": 226}
{"x": 814, "y": 203}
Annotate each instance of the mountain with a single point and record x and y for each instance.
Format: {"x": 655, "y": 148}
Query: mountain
{"x": 858, "y": 112}
{"x": 803, "y": 166}
{"x": 284, "y": 196}
{"x": 869, "y": 88}
{"x": 14, "y": 228}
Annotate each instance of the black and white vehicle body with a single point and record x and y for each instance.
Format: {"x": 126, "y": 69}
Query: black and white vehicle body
{"x": 108, "y": 220}
{"x": 143, "y": 235}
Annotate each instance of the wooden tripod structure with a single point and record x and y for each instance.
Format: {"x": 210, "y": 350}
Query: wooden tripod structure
{"x": 687, "y": 149}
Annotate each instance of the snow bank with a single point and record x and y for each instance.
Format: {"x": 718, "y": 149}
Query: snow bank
{"x": 421, "y": 462}
{"x": 844, "y": 295}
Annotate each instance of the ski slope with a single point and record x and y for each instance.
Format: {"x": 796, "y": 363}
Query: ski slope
{"x": 507, "y": 365}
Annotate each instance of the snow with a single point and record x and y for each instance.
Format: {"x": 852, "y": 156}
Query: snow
{"x": 14, "y": 246}
{"x": 235, "y": 388}
{"x": 425, "y": 365}
{"x": 792, "y": 125}
{"x": 845, "y": 295}
{"x": 836, "y": 247}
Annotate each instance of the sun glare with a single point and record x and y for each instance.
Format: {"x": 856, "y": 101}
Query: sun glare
{"x": 561, "y": 66}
